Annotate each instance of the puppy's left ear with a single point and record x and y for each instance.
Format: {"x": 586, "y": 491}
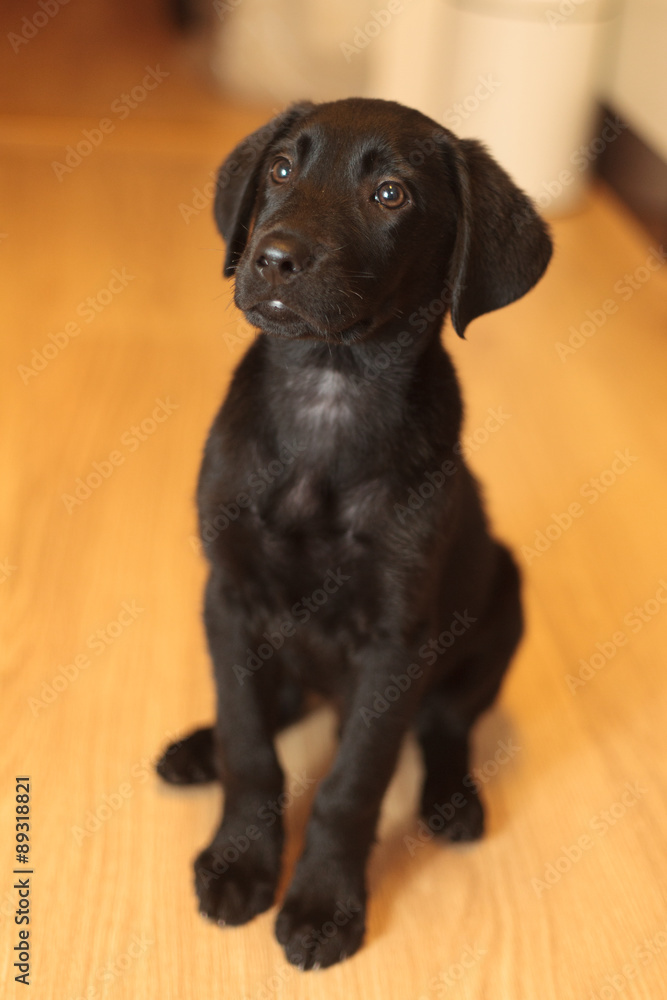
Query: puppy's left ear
{"x": 502, "y": 245}
{"x": 238, "y": 179}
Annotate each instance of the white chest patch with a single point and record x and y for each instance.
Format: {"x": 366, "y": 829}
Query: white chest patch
{"x": 324, "y": 398}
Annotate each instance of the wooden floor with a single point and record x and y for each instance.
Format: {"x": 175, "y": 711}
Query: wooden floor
{"x": 118, "y": 341}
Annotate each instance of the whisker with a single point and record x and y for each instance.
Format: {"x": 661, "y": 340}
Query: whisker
{"x": 350, "y": 292}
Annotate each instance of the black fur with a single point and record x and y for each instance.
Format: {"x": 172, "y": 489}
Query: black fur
{"x": 344, "y": 532}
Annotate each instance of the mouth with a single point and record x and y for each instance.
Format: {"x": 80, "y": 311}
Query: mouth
{"x": 275, "y": 317}
{"x": 276, "y": 309}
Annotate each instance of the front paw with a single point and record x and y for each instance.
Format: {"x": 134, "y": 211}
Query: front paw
{"x": 456, "y": 817}
{"x": 318, "y": 930}
{"x": 233, "y": 888}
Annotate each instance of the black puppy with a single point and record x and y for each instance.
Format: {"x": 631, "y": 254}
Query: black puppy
{"x": 344, "y": 531}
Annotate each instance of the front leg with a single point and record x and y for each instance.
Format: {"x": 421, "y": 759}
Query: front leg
{"x": 322, "y": 920}
{"x": 237, "y": 874}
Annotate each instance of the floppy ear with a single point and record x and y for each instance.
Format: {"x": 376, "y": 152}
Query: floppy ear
{"x": 502, "y": 245}
{"x": 238, "y": 179}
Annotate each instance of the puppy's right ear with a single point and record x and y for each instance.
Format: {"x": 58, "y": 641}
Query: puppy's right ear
{"x": 238, "y": 179}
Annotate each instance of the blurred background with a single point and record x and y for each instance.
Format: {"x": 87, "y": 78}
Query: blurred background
{"x": 119, "y": 338}
{"x": 535, "y": 79}
{"x": 529, "y": 77}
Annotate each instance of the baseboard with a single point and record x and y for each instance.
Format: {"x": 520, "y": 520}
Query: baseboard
{"x": 638, "y": 175}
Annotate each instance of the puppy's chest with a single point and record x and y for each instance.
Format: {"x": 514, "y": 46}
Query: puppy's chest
{"x": 319, "y": 545}
{"x": 326, "y": 490}
{"x": 319, "y": 408}
{"x": 317, "y": 499}
{"x": 312, "y": 510}
{"x": 322, "y": 513}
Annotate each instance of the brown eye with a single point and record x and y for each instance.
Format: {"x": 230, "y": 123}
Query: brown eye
{"x": 391, "y": 195}
{"x": 281, "y": 168}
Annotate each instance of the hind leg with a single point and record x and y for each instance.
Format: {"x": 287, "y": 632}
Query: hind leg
{"x": 450, "y": 801}
{"x": 191, "y": 760}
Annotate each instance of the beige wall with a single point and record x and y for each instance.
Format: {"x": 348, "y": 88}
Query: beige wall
{"x": 636, "y": 84}
{"x": 522, "y": 75}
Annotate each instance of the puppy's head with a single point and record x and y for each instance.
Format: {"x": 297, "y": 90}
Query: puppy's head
{"x": 341, "y": 217}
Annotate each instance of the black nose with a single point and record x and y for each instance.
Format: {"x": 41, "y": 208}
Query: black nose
{"x": 280, "y": 257}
